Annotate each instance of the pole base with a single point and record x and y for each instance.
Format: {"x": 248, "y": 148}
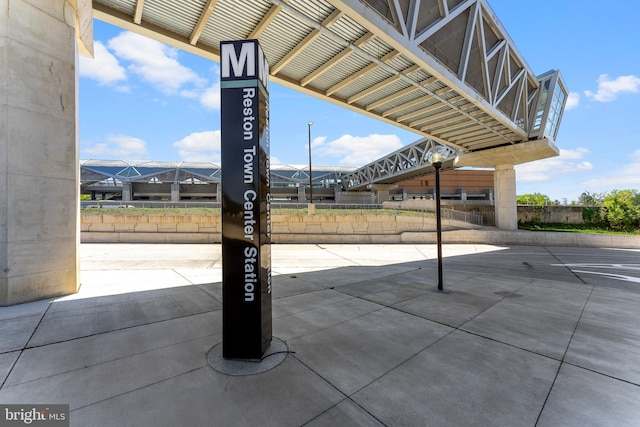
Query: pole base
{"x": 443, "y": 291}
{"x": 275, "y": 355}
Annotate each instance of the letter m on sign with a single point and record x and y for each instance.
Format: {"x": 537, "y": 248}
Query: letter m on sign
{"x": 238, "y": 59}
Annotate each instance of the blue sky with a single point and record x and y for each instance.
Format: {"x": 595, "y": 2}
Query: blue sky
{"x": 141, "y": 100}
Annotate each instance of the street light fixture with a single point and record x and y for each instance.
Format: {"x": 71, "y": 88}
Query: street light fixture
{"x": 310, "y": 179}
{"x": 436, "y": 157}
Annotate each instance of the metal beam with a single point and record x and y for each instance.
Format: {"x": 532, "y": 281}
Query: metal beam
{"x": 137, "y": 16}
{"x": 380, "y": 85}
{"x": 399, "y": 94}
{"x": 428, "y": 109}
{"x": 314, "y": 34}
{"x": 355, "y": 76}
{"x": 202, "y": 21}
{"x": 265, "y": 21}
{"x": 333, "y": 61}
{"x": 438, "y": 25}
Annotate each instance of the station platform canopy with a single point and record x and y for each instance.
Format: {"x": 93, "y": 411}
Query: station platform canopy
{"x": 114, "y": 173}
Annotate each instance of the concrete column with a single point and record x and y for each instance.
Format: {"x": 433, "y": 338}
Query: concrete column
{"x": 302, "y": 197}
{"x": 382, "y": 191}
{"x": 127, "y": 192}
{"x": 218, "y": 193}
{"x": 175, "y": 192}
{"x": 463, "y": 194}
{"x": 504, "y": 183}
{"x": 39, "y": 176}
{"x": 338, "y": 194}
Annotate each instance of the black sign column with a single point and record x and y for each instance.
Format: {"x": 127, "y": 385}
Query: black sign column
{"x": 246, "y": 218}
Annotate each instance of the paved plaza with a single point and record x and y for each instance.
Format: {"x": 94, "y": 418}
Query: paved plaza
{"x": 529, "y": 336}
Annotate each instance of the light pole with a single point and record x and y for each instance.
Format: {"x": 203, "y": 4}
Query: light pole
{"x": 436, "y": 157}
{"x": 310, "y": 179}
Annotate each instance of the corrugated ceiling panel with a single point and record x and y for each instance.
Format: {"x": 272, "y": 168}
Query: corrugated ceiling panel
{"x": 400, "y": 63}
{"x": 318, "y": 53}
{"x": 427, "y": 101}
{"x": 315, "y": 9}
{"x": 383, "y": 93}
{"x": 337, "y": 73}
{"x": 233, "y": 20}
{"x": 348, "y": 29}
{"x": 376, "y": 48}
{"x": 274, "y": 45}
{"x": 398, "y": 101}
{"x": 126, "y": 6}
{"x": 363, "y": 83}
{"x": 180, "y": 17}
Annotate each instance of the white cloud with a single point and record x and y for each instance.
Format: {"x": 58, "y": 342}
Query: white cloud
{"x": 608, "y": 90}
{"x": 210, "y": 98}
{"x": 578, "y": 153}
{"x": 620, "y": 178}
{"x": 154, "y": 62}
{"x": 555, "y": 167}
{"x": 356, "y": 150}
{"x": 200, "y": 147}
{"x": 104, "y": 67}
{"x": 573, "y": 100}
{"x": 274, "y": 160}
{"x": 117, "y": 147}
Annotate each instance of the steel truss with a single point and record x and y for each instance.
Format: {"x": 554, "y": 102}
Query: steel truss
{"x": 399, "y": 165}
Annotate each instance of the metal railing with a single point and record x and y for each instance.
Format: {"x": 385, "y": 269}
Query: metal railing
{"x": 471, "y": 218}
{"x": 455, "y": 215}
{"x": 147, "y": 204}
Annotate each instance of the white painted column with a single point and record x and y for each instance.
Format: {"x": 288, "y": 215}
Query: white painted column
{"x": 39, "y": 176}
{"x": 504, "y": 183}
{"x": 175, "y": 192}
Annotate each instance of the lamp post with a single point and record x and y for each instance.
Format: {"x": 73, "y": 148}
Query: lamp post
{"x": 310, "y": 179}
{"x": 436, "y": 157}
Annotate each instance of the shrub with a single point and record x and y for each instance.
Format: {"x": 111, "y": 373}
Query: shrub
{"x": 590, "y": 215}
{"x": 623, "y": 209}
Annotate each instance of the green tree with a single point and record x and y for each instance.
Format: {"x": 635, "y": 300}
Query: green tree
{"x": 591, "y": 199}
{"x": 623, "y": 209}
{"x": 536, "y": 199}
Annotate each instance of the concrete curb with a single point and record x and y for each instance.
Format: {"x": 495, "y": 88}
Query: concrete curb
{"x": 487, "y": 235}
{"x": 525, "y": 238}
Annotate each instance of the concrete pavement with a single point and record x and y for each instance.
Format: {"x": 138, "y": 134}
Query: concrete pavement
{"x": 529, "y": 336}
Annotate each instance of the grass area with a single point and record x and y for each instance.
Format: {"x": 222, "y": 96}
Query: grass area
{"x": 216, "y": 211}
{"x": 573, "y": 228}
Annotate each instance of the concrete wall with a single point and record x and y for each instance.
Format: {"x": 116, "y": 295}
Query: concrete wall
{"x": 542, "y": 214}
{"x": 285, "y": 228}
{"x": 331, "y": 229}
{"x": 551, "y": 214}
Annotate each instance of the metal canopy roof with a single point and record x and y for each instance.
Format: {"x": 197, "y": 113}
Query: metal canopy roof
{"x": 92, "y": 171}
{"x": 445, "y": 69}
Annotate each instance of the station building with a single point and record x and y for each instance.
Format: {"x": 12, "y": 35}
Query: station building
{"x": 182, "y": 181}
